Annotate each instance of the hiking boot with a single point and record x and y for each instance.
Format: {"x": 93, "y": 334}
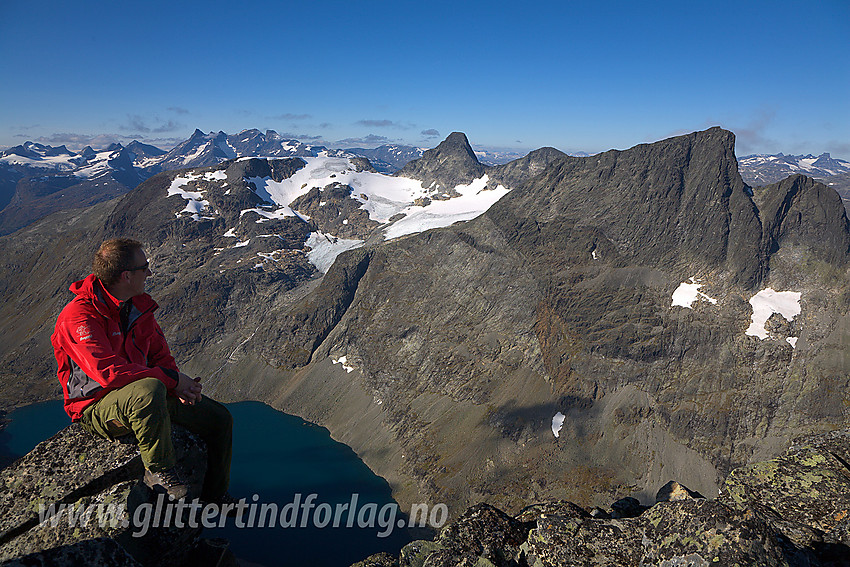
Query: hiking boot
{"x": 168, "y": 482}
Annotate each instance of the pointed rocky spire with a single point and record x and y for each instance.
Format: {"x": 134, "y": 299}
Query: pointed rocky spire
{"x": 450, "y": 164}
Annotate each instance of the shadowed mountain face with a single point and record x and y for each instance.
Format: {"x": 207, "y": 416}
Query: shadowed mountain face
{"x": 542, "y": 349}
{"x": 450, "y": 164}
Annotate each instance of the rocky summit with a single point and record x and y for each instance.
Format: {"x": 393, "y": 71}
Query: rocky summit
{"x": 607, "y": 324}
{"x": 450, "y": 164}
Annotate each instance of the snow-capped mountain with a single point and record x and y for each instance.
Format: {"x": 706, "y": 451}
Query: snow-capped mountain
{"x": 143, "y": 155}
{"x": 335, "y": 201}
{"x": 37, "y": 159}
{"x": 39, "y": 156}
{"x": 38, "y": 180}
{"x": 760, "y": 169}
{"x": 201, "y": 149}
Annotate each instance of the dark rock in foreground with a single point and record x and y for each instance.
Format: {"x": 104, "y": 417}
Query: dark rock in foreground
{"x": 76, "y": 500}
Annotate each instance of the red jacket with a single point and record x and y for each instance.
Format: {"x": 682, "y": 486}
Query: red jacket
{"x": 95, "y": 355}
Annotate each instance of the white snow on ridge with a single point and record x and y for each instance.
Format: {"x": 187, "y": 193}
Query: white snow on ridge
{"x": 767, "y": 302}
{"x": 325, "y": 249}
{"x": 473, "y": 201}
{"x": 218, "y": 174}
{"x": 98, "y": 166}
{"x": 196, "y": 153}
{"x": 195, "y": 202}
{"x": 384, "y": 195}
{"x": 280, "y": 213}
{"x": 687, "y": 293}
{"x": 381, "y": 196}
{"x": 60, "y": 163}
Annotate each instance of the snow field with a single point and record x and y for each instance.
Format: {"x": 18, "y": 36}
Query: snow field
{"x": 325, "y": 249}
{"x": 767, "y": 302}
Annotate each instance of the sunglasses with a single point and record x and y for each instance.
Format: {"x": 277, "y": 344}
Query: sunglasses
{"x": 142, "y": 267}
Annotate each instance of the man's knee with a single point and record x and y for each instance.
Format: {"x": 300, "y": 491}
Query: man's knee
{"x": 222, "y": 416}
{"x": 146, "y": 393}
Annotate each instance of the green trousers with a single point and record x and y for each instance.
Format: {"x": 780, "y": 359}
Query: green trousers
{"x": 144, "y": 409}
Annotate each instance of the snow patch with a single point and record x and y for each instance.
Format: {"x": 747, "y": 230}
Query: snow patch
{"x": 687, "y": 293}
{"x": 343, "y": 360}
{"x": 557, "y": 423}
{"x": 767, "y": 302}
{"x": 196, "y": 153}
{"x": 212, "y": 175}
{"x": 326, "y": 247}
{"x": 195, "y": 202}
{"x": 280, "y": 213}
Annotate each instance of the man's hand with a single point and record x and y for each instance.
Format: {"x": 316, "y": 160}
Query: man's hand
{"x": 188, "y": 390}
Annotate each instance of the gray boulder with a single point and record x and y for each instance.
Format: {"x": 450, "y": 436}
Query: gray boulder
{"x": 77, "y": 499}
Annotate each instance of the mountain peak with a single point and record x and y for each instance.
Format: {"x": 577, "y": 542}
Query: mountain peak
{"x": 458, "y": 139}
{"x": 450, "y": 164}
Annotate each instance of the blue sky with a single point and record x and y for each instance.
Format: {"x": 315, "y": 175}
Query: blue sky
{"x": 576, "y": 75}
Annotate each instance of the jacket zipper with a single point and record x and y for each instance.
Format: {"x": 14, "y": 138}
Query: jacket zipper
{"x": 133, "y": 338}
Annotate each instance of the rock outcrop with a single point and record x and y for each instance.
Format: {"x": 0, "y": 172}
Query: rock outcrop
{"x": 77, "y": 499}
{"x": 791, "y": 511}
{"x": 450, "y": 164}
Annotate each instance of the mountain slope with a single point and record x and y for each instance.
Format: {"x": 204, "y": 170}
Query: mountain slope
{"x": 467, "y": 342}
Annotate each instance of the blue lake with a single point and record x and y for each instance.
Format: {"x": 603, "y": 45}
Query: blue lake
{"x": 281, "y": 459}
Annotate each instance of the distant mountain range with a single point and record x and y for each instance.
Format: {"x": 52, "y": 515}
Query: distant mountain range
{"x": 759, "y": 169}
{"x": 37, "y": 179}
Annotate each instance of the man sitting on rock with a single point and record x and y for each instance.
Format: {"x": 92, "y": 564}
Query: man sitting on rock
{"x": 119, "y": 377}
